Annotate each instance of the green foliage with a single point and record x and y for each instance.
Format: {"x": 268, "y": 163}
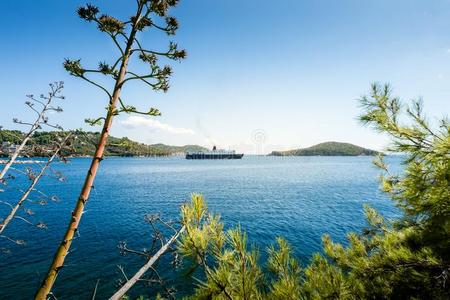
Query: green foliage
{"x": 110, "y": 24}
{"x": 94, "y": 122}
{"x": 150, "y": 14}
{"x": 406, "y": 258}
{"x": 85, "y": 144}
{"x": 230, "y": 267}
{"x": 11, "y": 136}
{"x": 131, "y": 109}
{"x": 423, "y": 190}
{"x": 328, "y": 149}
{"x": 88, "y": 12}
{"x": 286, "y": 271}
{"x": 74, "y": 67}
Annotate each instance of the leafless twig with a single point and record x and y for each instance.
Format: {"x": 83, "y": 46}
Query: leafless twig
{"x": 35, "y": 179}
{"x": 45, "y": 103}
{"x": 136, "y": 277}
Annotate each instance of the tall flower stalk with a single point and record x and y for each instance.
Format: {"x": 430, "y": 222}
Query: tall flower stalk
{"x": 149, "y": 14}
{"x": 34, "y": 182}
{"x": 41, "y": 106}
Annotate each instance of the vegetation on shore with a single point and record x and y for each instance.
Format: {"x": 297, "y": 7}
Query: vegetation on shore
{"x": 328, "y": 149}
{"x": 404, "y": 258}
{"x": 85, "y": 144}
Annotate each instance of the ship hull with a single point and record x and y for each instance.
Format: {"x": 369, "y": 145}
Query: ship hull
{"x": 213, "y": 156}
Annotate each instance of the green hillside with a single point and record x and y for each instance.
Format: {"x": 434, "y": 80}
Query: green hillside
{"x": 327, "y": 149}
{"x": 174, "y": 149}
{"x": 84, "y": 144}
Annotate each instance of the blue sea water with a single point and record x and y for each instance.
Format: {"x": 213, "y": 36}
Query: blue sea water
{"x": 300, "y": 198}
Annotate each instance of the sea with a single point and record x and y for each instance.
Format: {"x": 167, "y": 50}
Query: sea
{"x": 298, "y": 198}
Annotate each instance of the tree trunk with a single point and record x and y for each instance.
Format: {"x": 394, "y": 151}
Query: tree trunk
{"x": 63, "y": 249}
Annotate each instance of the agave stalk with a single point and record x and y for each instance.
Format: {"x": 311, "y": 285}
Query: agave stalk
{"x": 19, "y": 149}
{"x": 46, "y": 103}
{"x": 133, "y": 280}
{"x": 33, "y": 184}
{"x": 116, "y": 30}
{"x": 77, "y": 213}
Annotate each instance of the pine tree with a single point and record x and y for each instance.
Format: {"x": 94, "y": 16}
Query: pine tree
{"x": 230, "y": 267}
{"x": 405, "y": 258}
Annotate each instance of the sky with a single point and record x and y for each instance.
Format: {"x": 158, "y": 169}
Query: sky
{"x": 259, "y": 76}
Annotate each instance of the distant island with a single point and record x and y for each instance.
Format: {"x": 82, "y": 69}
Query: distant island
{"x": 327, "y": 149}
{"x": 84, "y": 145}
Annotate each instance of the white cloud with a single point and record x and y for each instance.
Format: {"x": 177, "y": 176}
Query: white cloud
{"x": 139, "y": 121}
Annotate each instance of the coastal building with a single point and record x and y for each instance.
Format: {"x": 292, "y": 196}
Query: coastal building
{"x": 8, "y": 148}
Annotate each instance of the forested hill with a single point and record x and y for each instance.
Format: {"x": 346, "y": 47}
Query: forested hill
{"x": 84, "y": 144}
{"x": 327, "y": 149}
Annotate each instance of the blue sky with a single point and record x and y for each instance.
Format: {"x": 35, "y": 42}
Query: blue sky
{"x": 290, "y": 71}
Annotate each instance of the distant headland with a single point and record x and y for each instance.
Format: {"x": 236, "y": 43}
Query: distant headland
{"x": 84, "y": 145}
{"x": 328, "y": 149}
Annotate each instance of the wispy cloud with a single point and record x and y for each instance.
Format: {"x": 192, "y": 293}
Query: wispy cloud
{"x": 139, "y": 121}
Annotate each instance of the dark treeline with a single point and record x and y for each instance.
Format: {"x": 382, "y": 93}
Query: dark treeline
{"x": 402, "y": 258}
{"x": 328, "y": 149}
{"x": 85, "y": 142}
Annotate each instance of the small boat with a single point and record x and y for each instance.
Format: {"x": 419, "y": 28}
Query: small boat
{"x": 214, "y": 154}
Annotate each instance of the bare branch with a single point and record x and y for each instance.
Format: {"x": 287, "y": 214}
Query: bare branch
{"x": 23, "y": 219}
{"x": 32, "y": 185}
{"x": 17, "y": 242}
{"x": 56, "y": 89}
{"x": 132, "y": 281}
{"x": 94, "y": 293}
{"x": 4, "y": 202}
{"x": 97, "y": 85}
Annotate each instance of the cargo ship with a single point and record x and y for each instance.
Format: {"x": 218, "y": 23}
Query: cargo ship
{"x": 214, "y": 154}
